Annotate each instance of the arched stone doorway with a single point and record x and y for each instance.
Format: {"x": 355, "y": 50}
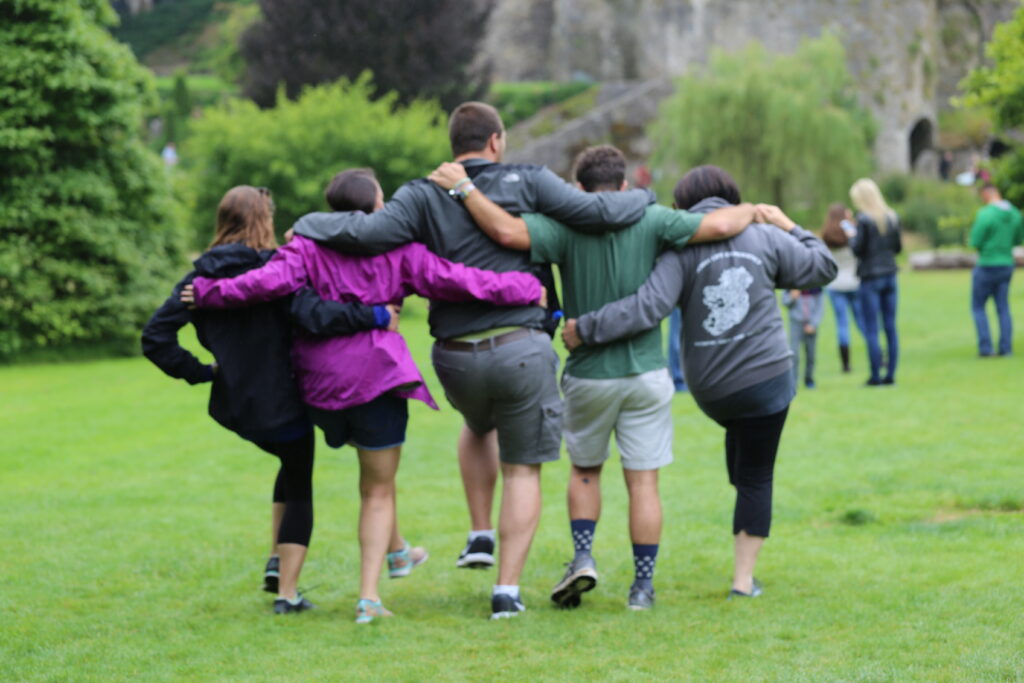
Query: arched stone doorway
{"x": 921, "y": 136}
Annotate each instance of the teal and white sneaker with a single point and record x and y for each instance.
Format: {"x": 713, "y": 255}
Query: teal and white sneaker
{"x": 368, "y": 610}
{"x": 402, "y": 562}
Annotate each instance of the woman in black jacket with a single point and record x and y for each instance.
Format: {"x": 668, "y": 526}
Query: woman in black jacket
{"x": 253, "y": 390}
{"x": 875, "y": 245}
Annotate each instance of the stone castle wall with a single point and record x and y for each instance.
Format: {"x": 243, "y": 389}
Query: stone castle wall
{"x": 906, "y": 55}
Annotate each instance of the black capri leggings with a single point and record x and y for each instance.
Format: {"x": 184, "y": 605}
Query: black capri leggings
{"x": 294, "y": 487}
{"x": 751, "y": 444}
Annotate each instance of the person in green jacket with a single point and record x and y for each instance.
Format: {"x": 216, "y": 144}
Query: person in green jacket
{"x": 997, "y": 228}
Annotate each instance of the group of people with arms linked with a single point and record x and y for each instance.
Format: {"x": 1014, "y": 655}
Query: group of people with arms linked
{"x": 306, "y": 334}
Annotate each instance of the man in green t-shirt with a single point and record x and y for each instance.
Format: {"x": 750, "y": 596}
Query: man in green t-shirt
{"x": 622, "y": 387}
{"x": 997, "y": 229}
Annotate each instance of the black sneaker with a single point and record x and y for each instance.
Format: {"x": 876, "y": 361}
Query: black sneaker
{"x": 580, "y": 577}
{"x": 478, "y": 554}
{"x": 755, "y": 591}
{"x": 505, "y": 606}
{"x": 271, "y": 574}
{"x": 283, "y": 606}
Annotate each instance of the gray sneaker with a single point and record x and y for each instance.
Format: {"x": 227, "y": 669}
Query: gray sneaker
{"x": 640, "y": 597}
{"x": 755, "y": 591}
{"x": 580, "y": 577}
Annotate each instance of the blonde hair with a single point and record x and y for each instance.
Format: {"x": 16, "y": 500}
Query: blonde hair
{"x": 246, "y": 216}
{"x": 868, "y": 199}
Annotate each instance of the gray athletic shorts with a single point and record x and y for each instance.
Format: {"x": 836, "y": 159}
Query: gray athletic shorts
{"x": 638, "y": 408}
{"x": 511, "y": 387}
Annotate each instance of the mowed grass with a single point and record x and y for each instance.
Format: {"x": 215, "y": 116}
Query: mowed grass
{"x": 135, "y": 530}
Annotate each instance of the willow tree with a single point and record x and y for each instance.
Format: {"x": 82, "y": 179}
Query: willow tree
{"x": 87, "y": 241}
{"x": 787, "y": 127}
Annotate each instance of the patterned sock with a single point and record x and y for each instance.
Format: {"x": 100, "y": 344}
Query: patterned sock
{"x": 644, "y": 557}
{"x": 582, "y": 534}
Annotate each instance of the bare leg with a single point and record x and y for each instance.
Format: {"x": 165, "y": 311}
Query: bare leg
{"x": 478, "y": 463}
{"x": 276, "y": 514}
{"x": 292, "y": 557}
{"x": 746, "y": 547}
{"x": 644, "y": 506}
{"x": 585, "y": 493}
{"x": 376, "y": 514}
{"x": 520, "y": 513}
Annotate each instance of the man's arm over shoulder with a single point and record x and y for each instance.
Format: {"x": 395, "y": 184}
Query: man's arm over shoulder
{"x": 589, "y": 212}
{"x": 637, "y": 312}
{"x": 724, "y": 223}
{"x": 396, "y": 224}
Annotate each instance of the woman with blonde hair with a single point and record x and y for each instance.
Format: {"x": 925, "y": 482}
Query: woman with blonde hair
{"x": 253, "y": 392}
{"x": 875, "y": 245}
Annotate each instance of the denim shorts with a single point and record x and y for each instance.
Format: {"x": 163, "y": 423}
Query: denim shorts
{"x": 371, "y": 426}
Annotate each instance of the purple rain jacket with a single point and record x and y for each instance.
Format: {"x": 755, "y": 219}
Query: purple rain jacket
{"x": 335, "y": 373}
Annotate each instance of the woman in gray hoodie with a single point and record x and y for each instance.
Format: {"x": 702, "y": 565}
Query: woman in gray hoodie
{"x": 736, "y": 356}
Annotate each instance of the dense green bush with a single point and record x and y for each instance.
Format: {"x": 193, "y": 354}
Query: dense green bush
{"x": 788, "y": 128}
{"x": 941, "y": 212}
{"x": 520, "y": 101}
{"x": 87, "y": 240}
{"x": 297, "y": 146}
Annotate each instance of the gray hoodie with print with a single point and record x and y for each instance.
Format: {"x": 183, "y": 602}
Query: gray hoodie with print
{"x": 733, "y": 335}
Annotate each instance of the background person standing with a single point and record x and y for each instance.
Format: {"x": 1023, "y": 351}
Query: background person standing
{"x": 997, "y": 228}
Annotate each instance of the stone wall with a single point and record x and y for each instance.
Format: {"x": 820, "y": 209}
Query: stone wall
{"x": 906, "y": 55}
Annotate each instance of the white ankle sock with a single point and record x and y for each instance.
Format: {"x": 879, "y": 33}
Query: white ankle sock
{"x": 486, "y": 533}
{"x": 511, "y": 591}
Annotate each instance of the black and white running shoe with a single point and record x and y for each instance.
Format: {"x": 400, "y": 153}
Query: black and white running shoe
{"x": 285, "y": 606}
{"x": 271, "y": 574}
{"x": 505, "y": 606}
{"x": 478, "y": 554}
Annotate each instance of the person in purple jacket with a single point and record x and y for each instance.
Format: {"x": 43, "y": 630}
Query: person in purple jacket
{"x": 357, "y": 386}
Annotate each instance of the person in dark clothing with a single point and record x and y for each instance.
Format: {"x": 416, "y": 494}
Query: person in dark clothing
{"x": 496, "y": 370}
{"x": 253, "y": 392}
{"x": 875, "y": 245}
{"x": 736, "y": 357}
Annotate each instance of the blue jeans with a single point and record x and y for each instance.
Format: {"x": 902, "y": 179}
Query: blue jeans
{"x": 878, "y": 300}
{"x": 675, "y": 329}
{"x": 992, "y": 281}
{"x": 842, "y": 304}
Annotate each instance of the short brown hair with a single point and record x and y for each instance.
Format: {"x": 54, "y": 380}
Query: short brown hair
{"x": 471, "y": 125}
{"x": 246, "y": 216}
{"x": 702, "y": 182}
{"x": 832, "y": 233}
{"x": 602, "y": 167}
{"x": 352, "y": 190}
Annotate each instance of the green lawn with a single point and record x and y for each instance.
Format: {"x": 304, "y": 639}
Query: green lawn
{"x": 135, "y": 531}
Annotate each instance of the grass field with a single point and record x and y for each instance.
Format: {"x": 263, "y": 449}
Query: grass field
{"x": 135, "y": 531}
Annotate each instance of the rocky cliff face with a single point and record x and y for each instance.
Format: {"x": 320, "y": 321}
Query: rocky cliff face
{"x": 906, "y": 55}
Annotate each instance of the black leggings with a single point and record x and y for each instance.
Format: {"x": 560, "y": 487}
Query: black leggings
{"x": 751, "y": 444}
{"x": 294, "y": 487}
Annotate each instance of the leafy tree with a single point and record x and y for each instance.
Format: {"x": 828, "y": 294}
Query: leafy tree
{"x": 1000, "y": 86}
{"x": 87, "y": 241}
{"x": 788, "y": 128}
{"x": 295, "y": 148}
{"x": 420, "y": 50}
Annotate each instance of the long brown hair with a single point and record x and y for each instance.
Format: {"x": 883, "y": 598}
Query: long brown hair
{"x": 832, "y": 232}
{"x": 246, "y": 216}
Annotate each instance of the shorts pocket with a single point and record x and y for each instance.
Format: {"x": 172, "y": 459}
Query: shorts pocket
{"x": 549, "y": 443}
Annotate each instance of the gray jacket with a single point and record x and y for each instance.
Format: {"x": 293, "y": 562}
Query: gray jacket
{"x": 733, "y": 336}
{"x": 420, "y": 211}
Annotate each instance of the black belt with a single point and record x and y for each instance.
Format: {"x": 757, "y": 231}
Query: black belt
{"x": 486, "y": 342}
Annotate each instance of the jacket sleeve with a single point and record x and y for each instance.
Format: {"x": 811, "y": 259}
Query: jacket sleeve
{"x": 325, "y": 318}
{"x": 396, "y": 224}
{"x": 859, "y": 243}
{"x": 588, "y": 212}
{"x": 895, "y": 235}
{"x": 431, "y": 276}
{"x": 282, "y": 275}
{"x": 160, "y": 340}
{"x": 804, "y": 262}
{"x": 637, "y": 312}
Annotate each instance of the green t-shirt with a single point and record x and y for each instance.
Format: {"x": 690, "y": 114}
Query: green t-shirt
{"x": 598, "y": 269}
{"x": 997, "y": 228}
